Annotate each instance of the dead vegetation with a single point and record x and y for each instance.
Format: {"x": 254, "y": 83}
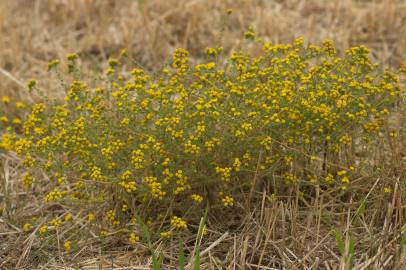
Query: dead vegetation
{"x": 35, "y": 32}
{"x": 290, "y": 234}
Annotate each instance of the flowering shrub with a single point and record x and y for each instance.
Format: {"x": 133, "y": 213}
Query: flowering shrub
{"x": 163, "y": 146}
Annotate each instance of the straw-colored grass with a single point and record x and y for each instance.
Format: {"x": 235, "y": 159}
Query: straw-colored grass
{"x": 282, "y": 235}
{"x": 35, "y": 32}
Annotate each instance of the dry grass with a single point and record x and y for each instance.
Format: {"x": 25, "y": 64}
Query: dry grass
{"x": 35, "y": 32}
{"x": 291, "y": 234}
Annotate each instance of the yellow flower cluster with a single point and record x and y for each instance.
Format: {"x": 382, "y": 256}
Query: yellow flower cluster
{"x": 225, "y": 173}
{"x": 129, "y": 186}
{"x": 166, "y": 234}
{"x": 178, "y": 223}
{"x": 133, "y": 239}
{"x": 196, "y": 197}
{"x": 53, "y": 196}
{"x": 43, "y": 229}
{"x": 6, "y": 142}
{"x": 155, "y": 187}
{"x": 228, "y": 201}
{"x": 288, "y": 115}
{"x": 27, "y": 180}
{"x": 56, "y": 222}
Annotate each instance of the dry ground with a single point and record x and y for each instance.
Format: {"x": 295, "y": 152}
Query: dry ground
{"x": 266, "y": 236}
{"x": 35, "y": 32}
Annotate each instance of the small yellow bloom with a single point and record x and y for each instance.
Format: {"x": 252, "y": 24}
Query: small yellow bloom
{"x": 178, "y": 223}
{"x": 134, "y": 238}
{"x": 228, "y": 201}
{"x": 4, "y": 119}
{"x": 17, "y": 121}
{"x": 31, "y": 84}
{"x": 166, "y": 234}
{"x": 27, "y": 227}
{"x": 68, "y": 217}
{"x": 345, "y": 180}
{"x": 205, "y": 231}
{"x": 53, "y": 64}
{"x": 103, "y": 233}
{"x": 387, "y": 189}
{"x": 5, "y": 99}
{"x": 342, "y": 172}
{"x": 393, "y": 134}
{"x": 124, "y": 53}
{"x": 72, "y": 57}
{"x": 125, "y": 121}
{"x": 20, "y": 105}
{"x": 90, "y": 217}
{"x": 197, "y": 198}
{"x": 27, "y": 180}
{"x": 43, "y": 229}
{"x": 67, "y": 245}
{"x": 56, "y": 222}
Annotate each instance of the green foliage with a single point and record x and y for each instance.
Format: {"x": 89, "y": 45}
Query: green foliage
{"x": 139, "y": 144}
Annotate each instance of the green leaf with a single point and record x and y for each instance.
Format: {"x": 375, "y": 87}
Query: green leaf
{"x": 156, "y": 263}
{"x": 182, "y": 260}
{"x": 361, "y": 209}
{"x": 202, "y": 224}
{"x": 352, "y": 247}
{"x": 196, "y": 265}
{"x": 402, "y": 242}
{"x": 340, "y": 242}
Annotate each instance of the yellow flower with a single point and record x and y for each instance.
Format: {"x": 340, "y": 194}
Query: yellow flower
{"x": 345, "y": 180}
{"x": 17, "y": 121}
{"x": 225, "y": 173}
{"x": 342, "y": 172}
{"x": 53, "y": 196}
{"x": 72, "y": 57}
{"x": 30, "y": 84}
{"x": 68, "y": 217}
{"x": 329, "y": 179}
{"x": 43, "y": 229}
{"x": 4, "y": 119}
{"x": 5, "y": 99}
{"x": 237, "y": 164}
{"x": 134, "y": 238}
{"x": 166, "y": 234}
{"x": 67, "y": 245}
{"x": 56, "y": 222}
{"x": 387, "y": 189}
{"x": 178, "y": 223}
{"x": 228, "y": 201}
{"x": 249, "y": 34}
{"x": 53, "y": 64}
{"x": 125, "y": 121}
{"x": 197, "y": 198}
{"x": 27, "y": 227}
{"x": 27, "y": 179}
{"x": 124, "y": 53}
{"x": 90, "y": 217}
